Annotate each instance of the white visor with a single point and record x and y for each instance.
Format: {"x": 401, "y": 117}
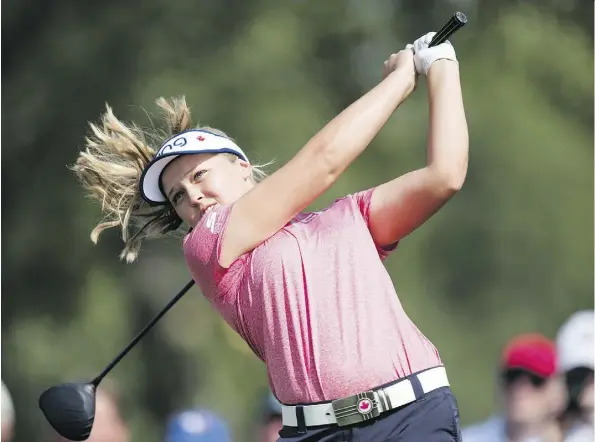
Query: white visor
{"x": 189, "y": 142}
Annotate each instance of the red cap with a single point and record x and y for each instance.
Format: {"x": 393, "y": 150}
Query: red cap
{"x": 532, "y": 352}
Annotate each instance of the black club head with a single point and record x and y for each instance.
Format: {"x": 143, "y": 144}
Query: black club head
{"x": 70, "y": 409}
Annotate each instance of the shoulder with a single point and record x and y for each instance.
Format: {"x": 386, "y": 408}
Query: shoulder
{"x": 580, "y": 433}
{"x": 207, "y": 230}
{"x": 340, "y": 212}
{"x": 202, "y": 245}
{"x": 357, "y": 197}
{"x": 358, "y": 201}
{"x": 202, "y": 249}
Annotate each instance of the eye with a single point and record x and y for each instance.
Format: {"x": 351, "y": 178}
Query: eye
{"x": 198, "y": 175}
{"x": 177, "y": 198}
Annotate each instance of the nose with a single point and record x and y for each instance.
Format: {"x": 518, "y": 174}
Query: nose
{"x": 521, "y": 387}
{"x": 195, "y": 197}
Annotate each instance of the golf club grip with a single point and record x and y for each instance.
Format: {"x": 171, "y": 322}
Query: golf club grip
{"x": 143, "y": 332}
{"x": 457, "y": 21}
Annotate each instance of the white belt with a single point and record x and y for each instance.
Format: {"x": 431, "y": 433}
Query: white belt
{"x": 363, "y": 406}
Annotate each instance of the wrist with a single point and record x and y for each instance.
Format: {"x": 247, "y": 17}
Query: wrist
{"x": 443, "y": 67}
{"x": 443, "y": 80}
{"x": 404, "y": 79}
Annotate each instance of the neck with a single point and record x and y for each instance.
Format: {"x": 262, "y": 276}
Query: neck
{"x": 579, "y": 417}
{"x": 586, "y": 416}
{"x": 519, "y": 432}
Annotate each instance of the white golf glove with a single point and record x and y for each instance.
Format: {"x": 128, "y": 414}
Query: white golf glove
{"x": 425, "y": 56}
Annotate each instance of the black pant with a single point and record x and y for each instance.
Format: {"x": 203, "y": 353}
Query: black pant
{"x": 434, "y": 417}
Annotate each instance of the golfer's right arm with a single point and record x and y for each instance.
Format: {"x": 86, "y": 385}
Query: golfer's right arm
{"x": 270, "y": 205}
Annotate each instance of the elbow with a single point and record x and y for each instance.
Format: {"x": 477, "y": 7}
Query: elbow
{"x": 451, "y": 181}
{"x": 455, "y": 181}
{"x": 448, "y": 164}
{"x": 321, "y": 162}
{"x": 327, "y": 163}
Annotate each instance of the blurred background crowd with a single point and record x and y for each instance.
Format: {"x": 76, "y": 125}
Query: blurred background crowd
{"x": 545, "y": 393}
{"x": 491, "y": 279}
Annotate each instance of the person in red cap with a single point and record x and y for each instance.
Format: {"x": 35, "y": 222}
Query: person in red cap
{"x": 531, "y": 394}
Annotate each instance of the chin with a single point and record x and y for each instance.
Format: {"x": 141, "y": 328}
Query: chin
{"x": 193, "y": 222}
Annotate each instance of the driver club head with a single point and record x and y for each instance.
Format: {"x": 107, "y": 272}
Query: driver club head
{"x": 70, "y": 409}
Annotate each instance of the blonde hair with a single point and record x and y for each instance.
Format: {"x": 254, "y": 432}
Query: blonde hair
{"x": 110, "y": 168}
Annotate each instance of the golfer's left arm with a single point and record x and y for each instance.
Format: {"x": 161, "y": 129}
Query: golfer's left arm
{"x": 400, "y": 206}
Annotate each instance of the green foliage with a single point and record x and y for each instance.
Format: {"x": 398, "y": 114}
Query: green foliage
{"x": 511, "y": 253}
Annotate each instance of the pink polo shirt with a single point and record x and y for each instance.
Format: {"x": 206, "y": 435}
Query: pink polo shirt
{"x": 314, "y": 302}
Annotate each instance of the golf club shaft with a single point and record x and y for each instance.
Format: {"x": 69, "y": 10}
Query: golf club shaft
{"x": 457, "y": 21}
{"x": 143, "y": 332}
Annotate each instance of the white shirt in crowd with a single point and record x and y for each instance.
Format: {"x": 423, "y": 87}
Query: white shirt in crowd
{"x": 491, "y": 430}
{"x": 580, "y": 433}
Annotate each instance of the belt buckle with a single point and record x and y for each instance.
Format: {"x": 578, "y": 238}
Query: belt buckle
{"x": 356, "y": 409}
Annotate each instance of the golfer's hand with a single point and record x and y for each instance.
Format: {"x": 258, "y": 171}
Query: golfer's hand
{"x": 401, "y": 61}
{"x": 402, "y": 64}
{"x": 425, "y": 56}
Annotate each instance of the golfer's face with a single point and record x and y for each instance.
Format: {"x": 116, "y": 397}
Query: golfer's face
{"x": 194, "y": 183}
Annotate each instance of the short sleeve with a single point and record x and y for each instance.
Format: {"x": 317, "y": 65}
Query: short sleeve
{"x": 363, "y": 200}
{"x": 202, "y": 249}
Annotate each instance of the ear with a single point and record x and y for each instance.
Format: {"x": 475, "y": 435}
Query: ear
{"x": 246, "y": 168}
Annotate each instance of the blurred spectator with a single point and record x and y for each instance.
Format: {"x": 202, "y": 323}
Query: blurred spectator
{"x": 576, "y": 361}
{"x": 531, "y": 392}
{"x": 109, "y": 426}
{"x": 7, "y": 415}
{"x": 197, "y": 425}
{"x": 270, "y": 422}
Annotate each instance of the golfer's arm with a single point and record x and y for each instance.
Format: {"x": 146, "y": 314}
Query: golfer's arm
{"x": 275, "y": 201}
{"x": 403, "y": 204}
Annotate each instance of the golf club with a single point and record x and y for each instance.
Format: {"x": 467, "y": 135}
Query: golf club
{"x": 456, "y": 22}
{"x": 70, "y": 407}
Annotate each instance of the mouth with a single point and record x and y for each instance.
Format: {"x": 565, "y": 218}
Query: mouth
{"x": 208, "y": 209}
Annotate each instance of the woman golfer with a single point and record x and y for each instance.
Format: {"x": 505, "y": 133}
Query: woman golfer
{"x": 308, "y": 292}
